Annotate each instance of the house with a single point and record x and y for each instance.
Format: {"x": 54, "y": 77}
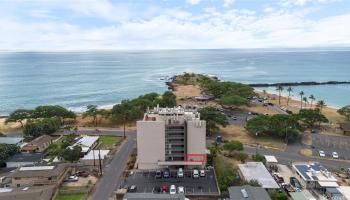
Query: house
{"x": 38, "y": 175}
{"x": 92, "y": 158}
{"x": 345, "y": 127}
{"x": 12, "y": 140}
{"x": 314, "y": 175}
{"x": 32, "y": 193}
{"x": 39, "y": 144}
{"x": 248, "y": 192}
{"x": 257, "y": 171}
{"x": 86, "y": 143}
{"x": 23, "y": 159}
{"x": 334, "y": 194}
{"x": 270, "y": 161}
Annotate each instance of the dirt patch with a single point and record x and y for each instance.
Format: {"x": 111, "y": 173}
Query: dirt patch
{"x": 233, "y": 132}
{"x": 260, "y": 109}
{"x": 82, "y": 182}
{"x": 306, "y": 139}
{"x": 305, "y": 152}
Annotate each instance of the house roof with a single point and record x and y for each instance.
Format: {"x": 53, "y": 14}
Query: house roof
{"x": 257, "y": 171}
{"x": 271, "y": 159}
{"x": 26, "y": 157}
{"x": 298, "y": 196}
{"x": 313, "y": 172}
{"x": 10, "y": 140}
{"x": 253, "y": 193}
{"x": 37, "y": 193}
{"x": 86, "y": 142}
{"x": 40, "y": 140}
{"x": 93, "y": 154}
{"x": 39, "y": 171}
{"x": 345, "y": 126}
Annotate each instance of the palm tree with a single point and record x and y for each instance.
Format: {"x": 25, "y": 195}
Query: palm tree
{"x": 264, "y": 92}
{"x": 279, "y": 88}
{"x": 301, "y": 93}
{"x": 321, "y": 104}
{"x": 312, "y": 99}
{"x": 305, "y": 100}
{"x": 289, "y": 89}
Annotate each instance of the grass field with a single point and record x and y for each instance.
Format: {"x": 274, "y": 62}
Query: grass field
{"x": 79, "y": 196}
{"x": 109, "y": 140}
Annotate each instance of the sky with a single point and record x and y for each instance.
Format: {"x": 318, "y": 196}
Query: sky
{"x": 172, "y": 24}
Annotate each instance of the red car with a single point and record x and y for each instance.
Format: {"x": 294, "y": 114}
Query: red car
{"x": 165, "y": 188}
{"x": 82, "y": 174}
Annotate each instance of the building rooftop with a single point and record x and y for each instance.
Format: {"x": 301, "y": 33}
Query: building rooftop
{"x": 345, "y": 190}
{"x": 86, "y": 142}
{"x": 11, "y": 140}
{"x": 257, "y": 171}
{"x": 297, "y": 196}
{"x": 271, "y": 159}
{"x": 176, "y": 114}
{"x": 37, "y": 193}
{"x": 150, "y": 196}
{"x": 40, "y": 140}
{"x": 248, "y": 192}
{"x": 26, "y": 157}
{"x": 38, "y": 171}
{"x": 314, "y": 172}
{"x": 93, "y": 154}
{"x": 345, "y": 126}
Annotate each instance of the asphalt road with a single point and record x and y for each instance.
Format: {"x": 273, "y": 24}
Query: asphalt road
{"x": 111, "y": 178}
{"x": 291, "y": 154}
{"x": 331, "y": 143}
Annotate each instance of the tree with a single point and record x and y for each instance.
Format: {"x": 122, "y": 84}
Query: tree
{"x": 19, "y": 115}
{"x": 6, "y": 151}
{"x": 305, "y": 100}
{"x": 312, "y": 97}
{"x": 259, "y": 158}
{"x": 38, "y": 127}
{"x": 311, "y": 116}
{"x": 232, "y": 101}
{"x": 126, "y": 112}
{"x": 48, "y": 111}
{"x": 345, "y": 111}
{"x": 301, "y": 93}
{"x": 279, "y": 88}
{"x": 278, "y": 196}
{"x": 213, "y": 118}
{"x": 264, "y": 92}
{"x": 289, "y": 90}
{"x": 93, "y": 112}
{"x": 242, "y": 157}
{"x": 168, "y": 99}
{"x": 253, "y": 182}
{"x": 55, "y": 150}
{"x": 321, "y": 104}
{"x": 233, "y": 146}
{"x": 72, "y": 154}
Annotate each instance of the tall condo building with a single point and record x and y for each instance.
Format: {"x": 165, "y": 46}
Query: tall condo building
{"x": 169, "y": 137}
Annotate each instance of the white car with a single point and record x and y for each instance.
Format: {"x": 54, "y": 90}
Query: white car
{"x": 202, "y": 173}
{"x": 195, "y": 173}
{"x": 322, "y": 154}
{"x": 335, "y": 155}
{"x": 180, "y": 190}
{"x": 172, "y": 189}
{"x": 180, "y": 173}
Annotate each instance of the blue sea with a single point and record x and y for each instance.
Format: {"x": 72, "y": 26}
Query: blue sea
{"x": 77, "y": 79}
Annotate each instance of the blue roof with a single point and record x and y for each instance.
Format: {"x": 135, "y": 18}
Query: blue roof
{"x": 303, "y": 169}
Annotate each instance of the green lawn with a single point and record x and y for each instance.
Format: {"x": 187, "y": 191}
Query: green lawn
{"x": 109, "y": 140}
{"x": 79, "y": 196}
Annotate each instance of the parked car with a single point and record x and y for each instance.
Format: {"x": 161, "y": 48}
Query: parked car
{"x": 180, "y": 173}
{"x": 172, "y": 189}
{"x": 234, "y": 118}
{"x": 195, "y": 173}
{"x": 295, "y": 183}
{"x": 132, "y": 188}
{"x": 335, "y": 155}
{"x": 166, "y": 173}
{"x": 202, "y": 173}
{"x": 158, "y": 174}
{"x": 165, "y": 188}
{"x": 313, "y": 131}
{"x": 72, "y": 178}
{"x": 180, "y": 190}
{"x": 322, "y": 153}
{"x": 82, "y": 174}
{"x": 157, "y": 189}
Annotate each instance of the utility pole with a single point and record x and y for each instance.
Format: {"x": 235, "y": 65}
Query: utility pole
{"x": 99, "y": 158}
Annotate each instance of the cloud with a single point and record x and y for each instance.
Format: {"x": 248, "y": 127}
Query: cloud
{"x": 170, "y": 28}
{"x": 193, "y": 2}
{"x": 302, "y": 2}
{"x": 228, "y": 3}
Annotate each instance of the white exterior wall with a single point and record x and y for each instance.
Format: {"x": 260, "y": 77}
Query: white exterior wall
{"x": 196, "y": 138}
{"x": 150, "y": 144}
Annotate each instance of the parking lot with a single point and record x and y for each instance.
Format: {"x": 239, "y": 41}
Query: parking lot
{"x": 238, "y": 118}
{"x": 329, "y": 144}
{"x": 146, "y": 182}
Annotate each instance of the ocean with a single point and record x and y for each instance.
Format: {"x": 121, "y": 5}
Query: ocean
{"x": 104, "y": 78}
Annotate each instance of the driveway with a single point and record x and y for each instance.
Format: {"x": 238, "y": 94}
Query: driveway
{"x": 330, "y": 143}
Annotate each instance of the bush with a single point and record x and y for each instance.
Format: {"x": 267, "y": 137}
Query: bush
{"x": 259, "y": 158}
{"x": 6, "y": 151}
{"x": 242, "y": 157}
{"x": 278, "y": 196}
